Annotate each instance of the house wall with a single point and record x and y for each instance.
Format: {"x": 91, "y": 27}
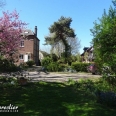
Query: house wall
{"x": 30, "y": 48}
{"x": 26, "y": 50}
{"x": 89, "y": 57}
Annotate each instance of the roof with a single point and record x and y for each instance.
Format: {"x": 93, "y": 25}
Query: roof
{"x": 85, "y": 48}
{"x": 90, "y": 48}
{"x": 27, "y": 32}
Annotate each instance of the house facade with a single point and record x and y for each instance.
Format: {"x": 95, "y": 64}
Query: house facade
{"x": 87, "y": 56}
{"x": 29, "y": 47}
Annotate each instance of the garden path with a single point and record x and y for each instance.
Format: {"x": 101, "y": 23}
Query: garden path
{"x": 60, "y": 77}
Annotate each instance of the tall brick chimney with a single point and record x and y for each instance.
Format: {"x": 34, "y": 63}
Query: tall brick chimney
{"x": 36, "y": 31}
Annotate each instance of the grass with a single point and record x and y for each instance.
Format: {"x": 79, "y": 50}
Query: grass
{"x": 52, "y": 99}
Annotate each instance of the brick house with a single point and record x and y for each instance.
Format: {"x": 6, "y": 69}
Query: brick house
{"x": 29, "y": 47}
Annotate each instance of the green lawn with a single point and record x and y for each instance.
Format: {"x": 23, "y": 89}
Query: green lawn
{"x": 52, "y": 99}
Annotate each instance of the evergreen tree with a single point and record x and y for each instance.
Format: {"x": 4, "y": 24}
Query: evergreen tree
{"x": 59, "y": 32}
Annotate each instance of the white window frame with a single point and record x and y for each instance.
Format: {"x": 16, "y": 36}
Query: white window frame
{"x": 22, "y": 44}
{"x": 21, "y": 57}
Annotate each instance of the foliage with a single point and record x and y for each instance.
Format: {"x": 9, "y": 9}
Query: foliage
{"x": 7, "y": 66}
{"x": 30, "y": 63}
{"x": 69, "y": 60}
{"x": 61, "y": 60}
{"x": 73, "y": 58}
{"x": 46, "y": 61}
{"x": 105, "y": 93}
{"x": 79, "y": 66}
{"x": 64, "y": 66}
{"x": 54, "y": 57}
{"x": 8, "y": 81}
{"x": 100, "y": 90}
{"x": 107, "y": 98}
{"x": 104, "y": 39}
{"x": 23, "y": 66}
{"x": 76, "y": 57}
{"x": 69, "y": 69}
{"x": 59, "y": 31}
{"x": 108, "y": 75}
{"x": 54, "y": 67}
{"x": 10, "y": 35}
{"x": 70, "y": 82}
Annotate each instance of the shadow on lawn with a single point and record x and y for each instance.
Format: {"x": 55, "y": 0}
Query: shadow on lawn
{"x": 51, "y": 99}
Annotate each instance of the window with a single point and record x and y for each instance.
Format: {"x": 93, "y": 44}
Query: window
{"x": 21, "y": 56}
{"x": 26, "y": 32}
{"x": 22, "y": 44}
{"x": 29, "y": 57}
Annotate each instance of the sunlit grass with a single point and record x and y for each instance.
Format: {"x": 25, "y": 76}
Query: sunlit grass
{"x": 52, "y": 99}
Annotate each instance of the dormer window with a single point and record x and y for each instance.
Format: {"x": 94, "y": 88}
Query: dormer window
{"x": 22, "y": 44}
{"x": 26, "y": 32}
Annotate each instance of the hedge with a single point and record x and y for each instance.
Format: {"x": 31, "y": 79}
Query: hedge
{"x": 79, "y": 66}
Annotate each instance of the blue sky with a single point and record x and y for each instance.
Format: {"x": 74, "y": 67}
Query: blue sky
{"x": 42, "y": 13}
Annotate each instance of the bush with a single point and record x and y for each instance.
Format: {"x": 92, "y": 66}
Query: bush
{"x": 30, "y": 63}
{"x": 63, "y": 66}
{"x": 61, "y": 60}
{"x": 23, "y": 65}
{"x": 46, "y": 61}
{"x": 79, "y": 66}
{"x": 54, "y": 67}
{"x": 104, "y": 93}
{"x": 54, "y": 57}
{"x": 109, "y": 75}
{"x": 106, "y": 98}
{"x": 7, "y": 66}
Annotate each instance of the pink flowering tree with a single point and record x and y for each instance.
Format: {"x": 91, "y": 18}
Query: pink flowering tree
{"x": 10, "y": 33}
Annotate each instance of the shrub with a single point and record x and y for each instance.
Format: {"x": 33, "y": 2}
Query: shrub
{"x": 61, "y": 60}
{"x": 103, "y": 92}
{"x": 46, "y": 61}
{"x": 79, "y": 66}
{"x": 54, "y": 57}
{"x": 23, "y": 65}
{"x": 54, "y": 67}
{"x": 7, "y": 66}
{"x": 30, "y": 63}
{"x": 109, "y": 75}
{"x": 107, "y": 98}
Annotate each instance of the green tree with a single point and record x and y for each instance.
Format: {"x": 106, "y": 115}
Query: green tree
{"x": 104, "y": 39}
{"x": 59, "y": 31}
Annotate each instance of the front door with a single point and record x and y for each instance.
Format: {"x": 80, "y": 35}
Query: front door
{"x": 25, "y": 58}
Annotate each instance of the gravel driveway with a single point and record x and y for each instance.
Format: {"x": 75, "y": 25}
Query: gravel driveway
{"x": 60, "y": 77}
